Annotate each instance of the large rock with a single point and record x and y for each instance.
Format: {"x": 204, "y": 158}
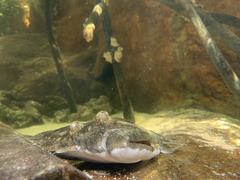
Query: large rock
{"x": 192, "y": 161}
{"x": 18, "y": 113}
{"x": 20, "y": 159}
{"x": 27, "y": 67}
{"x": 201, "y": 145}
{"x": 205, "y": 145}
{"x": 85, "y": 112}
{"x": 164, "y": 60}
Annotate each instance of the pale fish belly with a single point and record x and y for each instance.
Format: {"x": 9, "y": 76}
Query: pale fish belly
{"x": 129, "y": 155}
{"x": 125, "y": 155}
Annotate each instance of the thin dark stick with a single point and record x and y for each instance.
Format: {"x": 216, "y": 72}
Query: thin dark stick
{"x": 49, "y": 8}
{"x": 113, "y": 51}
{"x": 120, "y": 81}
{"x": 213, "y": 23}
{"x": 229, "y": 76}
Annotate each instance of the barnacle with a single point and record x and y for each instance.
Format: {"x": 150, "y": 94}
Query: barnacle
{"x": 98, "y": 9}
{"x": 236, "y": 81}
{"x": 106, "y": 2}
{"x": 88, "y": 32}
{"x": 118, "y": 54}
{"x": 108, "y": 57}
{"x": 114, "y": 42}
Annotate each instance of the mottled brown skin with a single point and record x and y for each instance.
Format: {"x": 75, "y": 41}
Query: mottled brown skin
{"x": 102, "y": 134}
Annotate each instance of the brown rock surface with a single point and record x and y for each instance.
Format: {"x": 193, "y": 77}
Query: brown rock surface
{"x": 207, "y": 146}
{"x": 193, "y": 161}
{"x": 164, "y": 60}
{"x": 20, "y": 159}
{"x": 27, "y": 67}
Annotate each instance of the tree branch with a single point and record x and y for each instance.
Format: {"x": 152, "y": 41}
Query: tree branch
{"x": 216, "y": 29}
{"x": 113, "y": 54}
{"x": 49, "y": 8}
{"x": 229, "y": 76}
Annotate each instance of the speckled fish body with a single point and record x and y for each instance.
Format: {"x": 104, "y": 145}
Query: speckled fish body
{"x": 102, "y": 140}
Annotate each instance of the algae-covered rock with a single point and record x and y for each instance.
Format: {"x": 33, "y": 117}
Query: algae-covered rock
{"x": 19, "y": 118}
{"x": 23, "y": 58}
{"x": 18, "y": 113}
{"x": 164, "y": 60}
{"x": 53, "y": 104}
{"x": 27, "y": 68}
{"x": 84, "y": 112}
{"x": 204, "y": 145}
{"x": 193, "y": 160}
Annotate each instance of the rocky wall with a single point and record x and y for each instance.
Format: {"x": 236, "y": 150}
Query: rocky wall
{"x": 164, "y": 63}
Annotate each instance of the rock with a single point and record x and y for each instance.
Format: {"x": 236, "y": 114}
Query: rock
{"x": 194, "y": 160}
{"x": 164, "y": 60}
{"x": 23, "y": 58}
{"x": 53, "y": 104}
{"x": 32, "y": 107}
{"x": 61, "y": 116}
{"x": 20, "y": 159}
{"x": 205, "y": 145}
{"x": 84, "y": 112}
{"x": 11, "y": 98}
{"x": 2, "y": 96}
{"x": 100, "y": 104}
{"x": 18, "y": 118}
{"x": 27, "y": 68}
{"x": 18, "y": 113}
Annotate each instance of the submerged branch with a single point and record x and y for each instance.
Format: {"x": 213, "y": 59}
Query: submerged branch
{"x": 230, "y": 39}
{"x": 229, "y": 76}
{"x": 226, "y": 19}
{"x": 220, "y": 17}
{"x": 49, "y": 8}
{"x": 212, "y": 22}
{"x": 113, "y": 54}
{"x": 121, "y": 83}
{"x": 91, "y": 21}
